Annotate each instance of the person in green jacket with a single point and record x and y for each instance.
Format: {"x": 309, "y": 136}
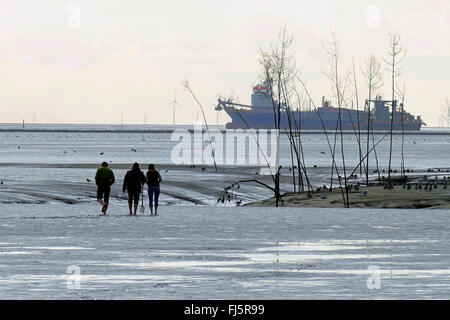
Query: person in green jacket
{"x": 104, "y": 179}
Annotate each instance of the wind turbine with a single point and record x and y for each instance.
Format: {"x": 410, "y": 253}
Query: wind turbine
{"x": 174, "y": 103}
{"x": 447, "y": 116}
{"x": 217, "y": 109}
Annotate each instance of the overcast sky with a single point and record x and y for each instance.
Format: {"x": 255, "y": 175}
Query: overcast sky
{"x": 83, "y": 61}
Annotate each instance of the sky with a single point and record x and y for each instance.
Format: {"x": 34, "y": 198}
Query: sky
{"x": 107, "y": 61}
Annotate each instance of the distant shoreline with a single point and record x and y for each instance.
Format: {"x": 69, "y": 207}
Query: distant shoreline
{"x": 58, "y": 130}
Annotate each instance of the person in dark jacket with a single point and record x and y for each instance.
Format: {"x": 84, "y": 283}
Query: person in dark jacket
{"x": 104, "y": 179}
{"x": 133, "y": 182}
{"x": 153, "y": 179}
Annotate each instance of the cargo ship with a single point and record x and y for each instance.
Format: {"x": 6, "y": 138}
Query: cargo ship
{"x": 260, "y": 115}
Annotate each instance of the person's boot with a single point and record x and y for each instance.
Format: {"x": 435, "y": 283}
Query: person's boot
{"x": 105, "y": 207}
{"x": 100, "y": 201}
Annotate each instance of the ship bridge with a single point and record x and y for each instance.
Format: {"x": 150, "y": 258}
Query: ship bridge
{"x": 261, "y": 97}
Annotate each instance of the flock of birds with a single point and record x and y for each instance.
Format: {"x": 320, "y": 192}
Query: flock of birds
{"x": 228, "y": 194}
{"x": 411, "y": 170}
{"x": 350, "y": 187}
{"x": 429, "y": 186}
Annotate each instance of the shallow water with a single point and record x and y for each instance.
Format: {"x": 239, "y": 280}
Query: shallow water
{"x": 222, "y": 253}
{"x": 423, "y": 151}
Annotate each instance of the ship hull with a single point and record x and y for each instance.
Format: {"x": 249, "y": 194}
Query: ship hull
{"x": 314, "y": 120}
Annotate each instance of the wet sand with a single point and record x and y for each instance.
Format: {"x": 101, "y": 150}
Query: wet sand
{"x": 73, "y": 183}
{"x": 205, "y": 252}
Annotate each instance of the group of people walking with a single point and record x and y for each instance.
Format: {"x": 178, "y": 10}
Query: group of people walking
{"x": 133, "y": 183}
